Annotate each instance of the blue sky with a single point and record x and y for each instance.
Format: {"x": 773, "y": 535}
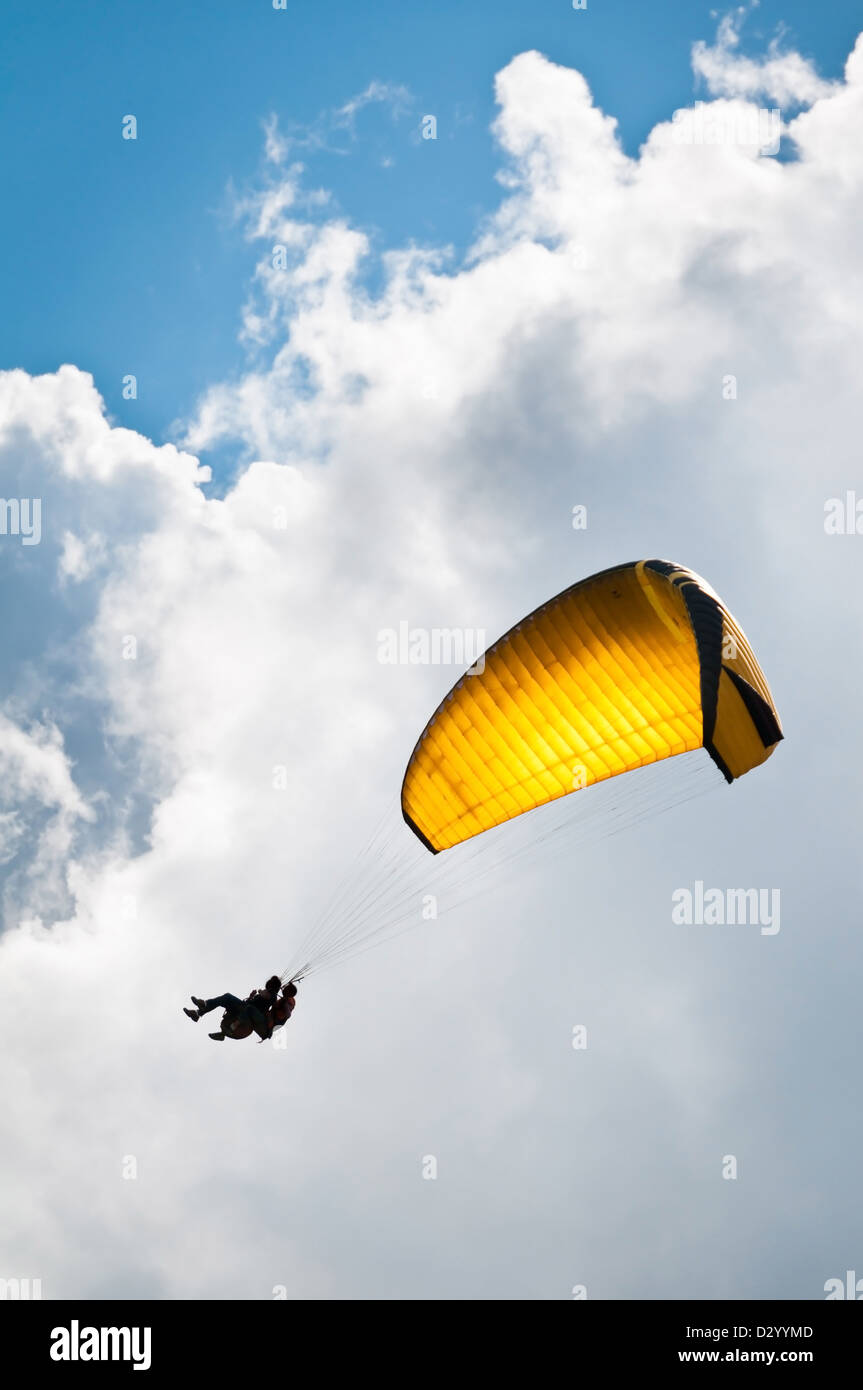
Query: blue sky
{"x": 169, "y": 645}
{"x": 125, "y": 258}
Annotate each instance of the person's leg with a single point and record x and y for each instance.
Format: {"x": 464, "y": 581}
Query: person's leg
{"x": 257, "y": 1020}
{"x": 224, "y": 1001}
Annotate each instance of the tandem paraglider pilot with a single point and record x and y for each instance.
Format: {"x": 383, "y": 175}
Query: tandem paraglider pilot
{"x": 262, "y": 1012}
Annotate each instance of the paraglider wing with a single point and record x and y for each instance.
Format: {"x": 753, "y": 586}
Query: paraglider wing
{"x": 639, "y": 663}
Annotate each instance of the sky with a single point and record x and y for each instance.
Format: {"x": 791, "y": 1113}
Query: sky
{"x": 569, "y": 297}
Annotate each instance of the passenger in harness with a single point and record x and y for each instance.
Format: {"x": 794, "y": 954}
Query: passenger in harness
{"x": 242, "y": 1016}
{"x": 282, "y": 1008}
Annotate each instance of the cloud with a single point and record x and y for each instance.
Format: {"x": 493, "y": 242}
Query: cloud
{"x": 45, "y": 806}
{"x": 80, "y": 555}
{"x": 415, "y": 453}
{"x": 332, "y": 127}
{"x": 390, "y": 94}
{"x": 783, "y": 75}
{"x": 33, "y": 765}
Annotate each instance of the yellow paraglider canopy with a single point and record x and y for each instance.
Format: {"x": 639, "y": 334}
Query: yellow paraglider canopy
{"x": 631, "y": 666}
